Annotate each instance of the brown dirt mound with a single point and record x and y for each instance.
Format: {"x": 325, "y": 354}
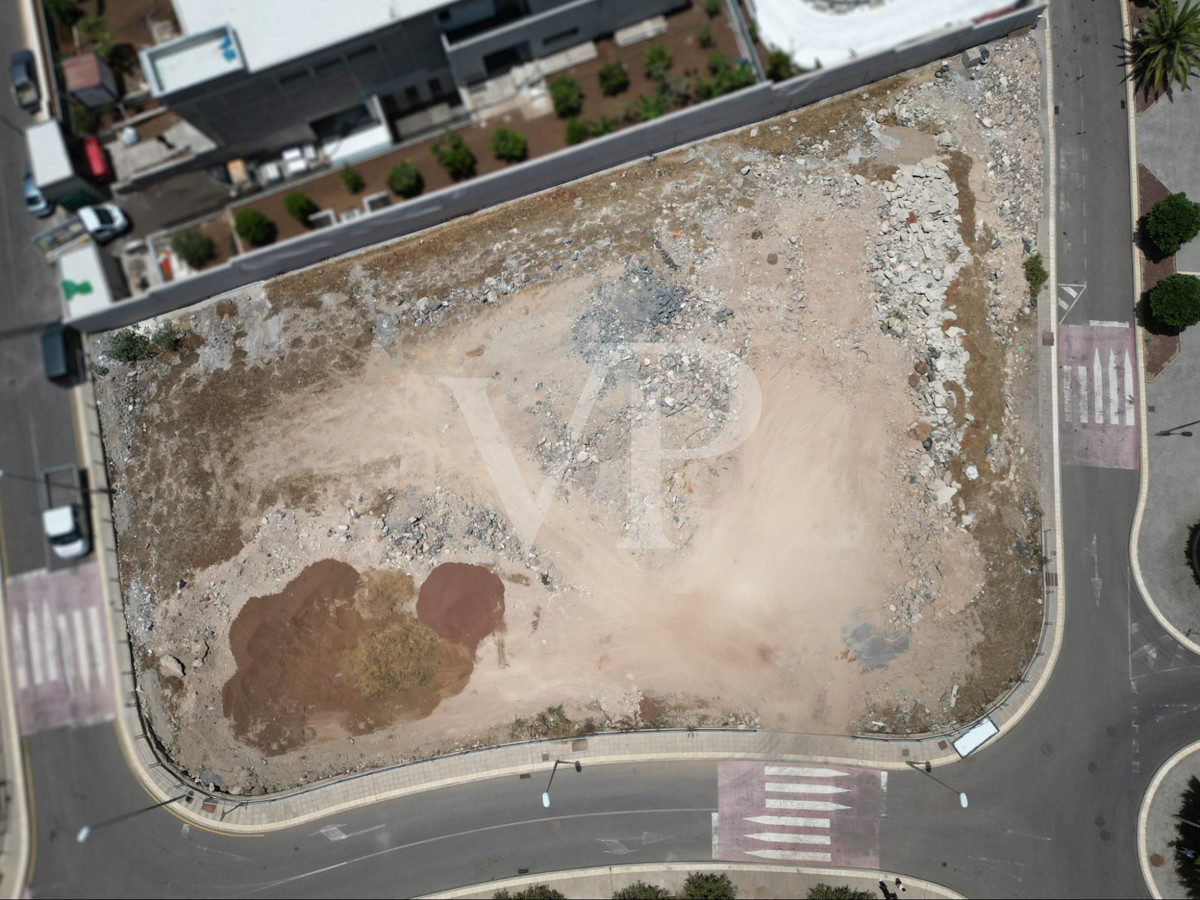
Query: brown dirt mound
{"x": 462, "y": 603}
{"x": 293, "y": 651}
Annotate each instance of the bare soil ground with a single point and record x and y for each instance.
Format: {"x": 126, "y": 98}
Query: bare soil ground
{"x": 865, "y": 558}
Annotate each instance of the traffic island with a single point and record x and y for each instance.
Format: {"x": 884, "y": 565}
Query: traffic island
{"x": 1166, "y": 831}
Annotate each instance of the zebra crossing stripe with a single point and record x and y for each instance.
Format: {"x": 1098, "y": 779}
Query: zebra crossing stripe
{"x": 18, "y": 646}
{"x": 68, "y": 651}
{"x": 1129, "y": 406}
{"x": 35, "y": 646}
{"x": 1081, "y": 373}
{"x": 797, "y": 855}
{"x": 97, "y": 643}
{"x": 51, "y": 646}
{"x": 1098, "y": 386}
{"x": 790, "y": 821}
{"x": 1114, "y": 391}
{"x": 800, "y": 772}
{"x": 85, "y": 670}
{"x": 787, "y": 837}
{"x": 806, "y": 805}
{"x": 784, "y": 787}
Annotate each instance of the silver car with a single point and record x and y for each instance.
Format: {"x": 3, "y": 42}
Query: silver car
{"x": 36, "y": 203}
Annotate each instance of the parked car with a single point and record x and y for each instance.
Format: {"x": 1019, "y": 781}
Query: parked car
{"x": 23, "y": 78}
{"x": 36, "y": 203}
{"x": 103, "y": 222}
{"x": 62, "y": 354}
{"x": 64, "y": 513}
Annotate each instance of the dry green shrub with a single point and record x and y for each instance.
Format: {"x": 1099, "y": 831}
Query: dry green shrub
{"x": 401, "y": 655}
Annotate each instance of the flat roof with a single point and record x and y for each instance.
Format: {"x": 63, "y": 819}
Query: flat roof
{"x": 48, "y": 157}
{"x": 809, "y": 34}
{"x": 191, "y": 59}
{"x": 83, "y": 281}
{"x": 273, "y": 31}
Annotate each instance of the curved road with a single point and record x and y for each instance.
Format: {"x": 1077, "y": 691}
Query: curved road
{"x": 1053, "y": 804}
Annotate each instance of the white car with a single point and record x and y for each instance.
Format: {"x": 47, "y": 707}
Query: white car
{"x": 103, "y": 222}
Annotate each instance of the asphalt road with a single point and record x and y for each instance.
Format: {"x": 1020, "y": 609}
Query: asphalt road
{"x": 37, "y": 431}
{"x": 1052, "y": 804}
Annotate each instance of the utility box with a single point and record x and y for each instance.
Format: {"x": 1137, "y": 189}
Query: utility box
{"x": 53, "y": 169}
{"x": 90, "y": 80}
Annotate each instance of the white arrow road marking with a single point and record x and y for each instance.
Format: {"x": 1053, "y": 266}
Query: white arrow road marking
{"x": 783, "y": 787}
{"x": 793, "y": 821}
{"x": 649, "y": 837}
{"x": 799, "y": 855}
{"x": 1098, "y": 386}
{"x": 802, "y": 772}
{"x": 614, "y": 846}
{"x": 1114, "y": 390}
{"x": 783, "y": 837}
{"x": 335, "y": 833}
{"x": 808, "y": 805}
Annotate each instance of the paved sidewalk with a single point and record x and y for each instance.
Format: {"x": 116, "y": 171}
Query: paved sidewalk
{"x": 1158, "y": 827}
{"x": 751, "y": 880}
{"x": 1166, "y": 138}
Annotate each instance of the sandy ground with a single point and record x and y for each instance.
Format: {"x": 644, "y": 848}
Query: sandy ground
{"x": 303, "y": 451}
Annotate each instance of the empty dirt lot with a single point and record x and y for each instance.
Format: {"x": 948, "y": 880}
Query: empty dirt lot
{"x": 821, "y": 320}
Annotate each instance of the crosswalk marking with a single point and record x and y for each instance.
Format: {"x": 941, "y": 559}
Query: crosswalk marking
{"x": 1065, "y": 378}
{"x": 1129, "y": 410}
{"x": 785, "y": 787}
{"x": 808, "y": 805}
{"x": 799, "y": 772}
{"x": 793, "y": 821}
{"x": 64, "y": 641}
{"x": 1097, "y": 393}
{"x": 788, "y": 837}
{"x": 35, "y": 647}
{"x": 51, "y": 654}
{"x": 798, "y": 855}
{"x": 1098, "y": 387}
{"x": 18, "y": 636}
{"x": 81, "y": 648}
{"x": 97, "y": 641}
{"x": 1081, "y": 371}
{"x": 1110, "y": 388}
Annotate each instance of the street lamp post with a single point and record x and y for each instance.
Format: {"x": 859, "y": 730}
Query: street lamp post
{"x": 546, "y": 792}
{"x": 86, "y": 830}
{"x": 928, "y": 770}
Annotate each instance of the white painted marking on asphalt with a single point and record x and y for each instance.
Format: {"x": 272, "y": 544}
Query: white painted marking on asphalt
{"x": 1098, "y": 386}
{"x": 1130, "y": 413}
{"x": 1114, "y": 390}
{"x": 785, "y": 787}
{"x": 1065, "y": 381}
{"x": 333, "y": 833}
{"x": 715, "y": 833}
{"x": 35, "y": 646}
{"x": 97, "y": 644}
{"x": 1069, "y": 289}
{"x": 85, "y": 670}
{"x": 883, "y": 781}
{"x": 1103, "y": 323}
{"x": 785, "y": 837}
{"x": 801, "y": 772}
{"x": 19, "y": 659}
{"x": 68, "y": 652}
{"x": 1081, "y": 373}
{"x": 615, "y": 847}
{"x": 798, "y": 855}
{"x": 51, "y": 648}
{"x": 791, "y": 821}
{"x": 807, "y": 805}
{"x": 183, "y": 832}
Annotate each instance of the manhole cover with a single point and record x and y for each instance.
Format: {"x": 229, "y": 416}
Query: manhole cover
{"x": 1156, "y": 860}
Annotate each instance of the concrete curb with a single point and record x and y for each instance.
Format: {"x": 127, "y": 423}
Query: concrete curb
{"x": 1144, "y": 814}
{"x": 1144, "y": 486}
{"x": 245, "y": 815}
{"x": 653, "y": 871}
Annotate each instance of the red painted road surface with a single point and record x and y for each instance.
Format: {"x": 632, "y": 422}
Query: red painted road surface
{"x": 1097, "y": 395}
{"x": 799, "y": 813}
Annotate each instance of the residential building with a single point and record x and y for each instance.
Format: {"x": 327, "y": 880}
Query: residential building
{"x": 356, "y": 75}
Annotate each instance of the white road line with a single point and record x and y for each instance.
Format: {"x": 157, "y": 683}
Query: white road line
{"x": 800, "y": 772}
{"x": 784, "y": 837}
{"x": 81, "y": 648}
{"x": 1130, "y": 408}
{"x": 791, "y": 821}
{"x": 93, "y": 615}
{"x": 35, "y": 646}
{"x": 1114, "y": 390}
{"x": 1081, "y": 377}
{"x": 798, "y": 855}
{"x": 1065, "y": 381}
{"x": 1103, "y": 323}
{"x": 785, "y": 787}
{"x": 18, "y": 645}
{"x": 1098, "y": 386}
{"x": 68, "y": 652}
{"x": 883, "y": 781}
{"x": 715, "y": 854}
{"x": 51, "y": 648}
{"x": 806, "y": 805}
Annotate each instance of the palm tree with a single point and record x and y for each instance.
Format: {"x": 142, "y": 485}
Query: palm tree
{"x": 1167, "y": 49}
